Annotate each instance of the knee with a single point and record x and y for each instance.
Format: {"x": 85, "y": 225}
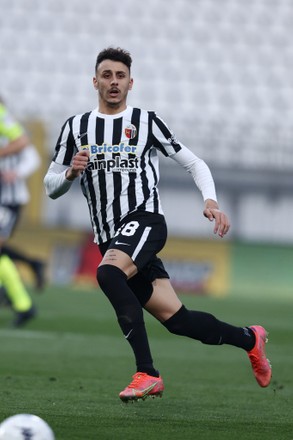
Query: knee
{"x": 103, "y": 275}
{"x": 177, "y": 322}
{"x": 108, "y": 274}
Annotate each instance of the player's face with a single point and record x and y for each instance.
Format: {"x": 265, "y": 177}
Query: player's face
{"x": 113, "y": 82}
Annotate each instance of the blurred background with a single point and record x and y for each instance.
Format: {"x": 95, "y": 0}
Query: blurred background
{"x": 220, "y": 74}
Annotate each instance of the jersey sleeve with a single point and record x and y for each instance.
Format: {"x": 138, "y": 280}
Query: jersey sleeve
{"x": 65, "y": 147}
{"x": 9, "y": 127}
{"x": 55, "y": 181}
{"x": 166, "y": 142}
{"x": 163, "y": 138}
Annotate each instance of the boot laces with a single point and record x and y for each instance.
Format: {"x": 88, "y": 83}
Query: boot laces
{"x": 136, "y": 380}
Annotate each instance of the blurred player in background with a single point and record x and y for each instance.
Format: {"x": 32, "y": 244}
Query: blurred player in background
{"x": 114, "y": 150}
{"x": 18, "y": 160}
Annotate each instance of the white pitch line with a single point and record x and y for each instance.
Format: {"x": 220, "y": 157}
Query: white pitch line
{"x": 35, "y": 334}
{"x": 26, "y": 334}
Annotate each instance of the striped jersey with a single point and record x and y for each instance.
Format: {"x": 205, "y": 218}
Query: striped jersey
{"x": 12, "y": 193}
{"x": 122, "y": 174}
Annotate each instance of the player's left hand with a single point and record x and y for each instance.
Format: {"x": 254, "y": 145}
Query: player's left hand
{"x": 212, "y": 212}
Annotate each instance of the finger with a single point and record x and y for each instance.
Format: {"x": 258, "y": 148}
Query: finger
{"x": 84, "y": 152}
{"x": 223, "y": 226}
{"x": 81, "y": 160}
{"x": 220, "y": 223}
{"x": 217, "y": 226}
{"x": 82, "y": 157}
{"x": 78, "y": 165}
{"x": 227, "y": 228}
{"x": 208, "y": 214}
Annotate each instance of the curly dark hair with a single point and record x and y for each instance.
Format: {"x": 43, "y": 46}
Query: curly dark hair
{"x": 114, "y": 54}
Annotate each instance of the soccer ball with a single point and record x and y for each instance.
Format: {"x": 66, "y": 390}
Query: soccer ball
{"x": 25, "y": 427}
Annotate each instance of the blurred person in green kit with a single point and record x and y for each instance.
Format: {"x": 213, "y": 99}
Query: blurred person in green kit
{"x": 18, "y": 160}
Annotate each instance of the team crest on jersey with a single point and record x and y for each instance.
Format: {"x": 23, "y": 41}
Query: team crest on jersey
{"x": 130, "y": 131}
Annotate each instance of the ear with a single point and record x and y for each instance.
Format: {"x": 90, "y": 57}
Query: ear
{"x": 95, "y": 83}
{"x": 130, "y": 84}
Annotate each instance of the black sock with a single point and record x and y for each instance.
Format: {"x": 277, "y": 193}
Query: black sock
{"x": 242, "y": 337}
{"x": 129, "y": 313}
{"x": 15, "y": 255}
{"x": 208, "y": 329}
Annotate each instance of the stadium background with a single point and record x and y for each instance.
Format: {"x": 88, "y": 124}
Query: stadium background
{"x": 220, "y": 74}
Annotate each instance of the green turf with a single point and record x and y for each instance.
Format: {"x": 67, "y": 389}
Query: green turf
{"x": 69, "y": 365}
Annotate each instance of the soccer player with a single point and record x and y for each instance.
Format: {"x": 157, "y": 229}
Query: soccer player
{"x": 113, "y": 149}
{"x": 18, "y": 159}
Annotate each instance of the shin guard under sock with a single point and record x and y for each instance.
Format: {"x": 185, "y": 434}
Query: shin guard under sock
{"x": 15, "y": 289}
{"x": 113, "y": 282}
{"x": 209, "y": 330}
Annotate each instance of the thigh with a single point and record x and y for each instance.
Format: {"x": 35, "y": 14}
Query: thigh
{"x": 117, "y": 258}
{"x": 141, "y": 236}
{"x": 143, "y": 271}
{"x": 164, "y": 301}
{"x": 142, "y": 283}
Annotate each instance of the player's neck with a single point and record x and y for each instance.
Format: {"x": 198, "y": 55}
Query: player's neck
{"x": 109, "y": 109}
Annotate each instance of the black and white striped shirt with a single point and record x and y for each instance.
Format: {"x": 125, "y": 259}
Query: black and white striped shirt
{"x": 123, "y": 171}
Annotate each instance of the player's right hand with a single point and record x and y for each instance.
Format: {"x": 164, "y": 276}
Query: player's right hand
{"x": 78, "y": 165}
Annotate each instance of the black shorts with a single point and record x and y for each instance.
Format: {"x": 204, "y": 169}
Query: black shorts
{"x": 9, "y": 216}
{"x": 141, "y": 235}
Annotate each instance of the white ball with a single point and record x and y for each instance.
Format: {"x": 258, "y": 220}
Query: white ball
{"x": 25, "y": 427}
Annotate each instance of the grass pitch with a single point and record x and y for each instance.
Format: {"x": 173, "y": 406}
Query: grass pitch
{"x": 69, "y": 365}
